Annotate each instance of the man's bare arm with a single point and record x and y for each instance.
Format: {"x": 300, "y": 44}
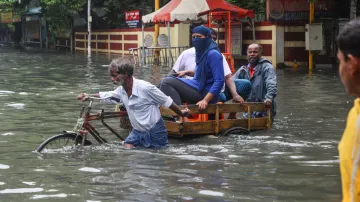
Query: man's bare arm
{"x": 172, "y": 73}
{"x": 229, "y": 81}
{"x": 176, "y": 109}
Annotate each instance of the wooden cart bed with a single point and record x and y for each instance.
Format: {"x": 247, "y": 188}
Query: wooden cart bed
{"x": 220, "y": 124}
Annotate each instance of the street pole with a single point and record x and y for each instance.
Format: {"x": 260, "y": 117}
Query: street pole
{"x": 311, "y": 20}
{"x": 89, "y": 28}
{"x": 46, "y": 36}
{"x": 156, "y": 34}
{"x": 353, "y": 9}
{"x": 23, "y": 20}
{"x": 71, "y": 35}
{"x": 40, "y": 33}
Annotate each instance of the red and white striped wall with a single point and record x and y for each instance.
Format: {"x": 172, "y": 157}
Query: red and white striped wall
{"x": 282, "y": 44}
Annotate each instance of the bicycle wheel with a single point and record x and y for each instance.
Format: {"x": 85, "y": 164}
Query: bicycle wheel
{"x": 60, "y": 141}
{"x": 236, "y": 131}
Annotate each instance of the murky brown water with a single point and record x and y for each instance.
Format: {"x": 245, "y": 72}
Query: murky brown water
{"x": 296, "y": 161}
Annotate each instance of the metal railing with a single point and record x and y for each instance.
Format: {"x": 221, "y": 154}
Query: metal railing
{"x": 146, "y": 55}
{"x": 58, "y": 43}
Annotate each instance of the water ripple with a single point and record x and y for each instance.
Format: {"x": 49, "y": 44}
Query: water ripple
{"x": 2, "y": 166}
{"x": 92, "y": 170}
{"x": 49, "y": 196}
{"x": 21, "y": 190}
{"x": 38, "y": 93}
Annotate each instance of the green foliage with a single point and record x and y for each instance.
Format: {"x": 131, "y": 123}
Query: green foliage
{"x": 116, "y": 8}
{"x": 59, "y": 13}
{"x": 7, "y": 4}
{"x": 258, "y": 6}
{"x": 13, "y": 5}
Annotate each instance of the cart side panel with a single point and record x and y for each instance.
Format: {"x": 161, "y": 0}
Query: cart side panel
{"x": 173, "y": 128}
{"x": 199, "y": 128}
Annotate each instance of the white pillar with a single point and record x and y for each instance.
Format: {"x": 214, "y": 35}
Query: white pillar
{"x": 40, "y": 32}
{"x": 142, "y": 54}
{"x": 89, "y": 28}
{"x": 169, "y": 44}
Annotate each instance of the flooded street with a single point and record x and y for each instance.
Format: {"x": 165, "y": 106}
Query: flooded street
{"x": 297, "y": 160}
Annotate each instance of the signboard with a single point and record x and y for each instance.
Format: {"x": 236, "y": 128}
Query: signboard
{"x": 35, "y": 10}
{"x": 291, "y": 10}
{"x": 163, "y": 40}
{"x": 236, "y": 40}
{"x": 32, "y": 29}
{"x": 9, "y": 18}
{"x": 133, "y": 19}
{"x": 148, "y": 41}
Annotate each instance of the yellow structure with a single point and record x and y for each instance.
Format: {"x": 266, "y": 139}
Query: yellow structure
{"x": 156, "y": 33}
{"x": 312, "y": 12}
{"x": 277, "y": 46}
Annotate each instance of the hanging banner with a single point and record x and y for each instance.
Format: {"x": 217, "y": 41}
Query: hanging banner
{"x": 236, "y": 40}
{"x": 292, "y": 10}
{"x": 133, "y": 19}
{"x": 9, "y": 17}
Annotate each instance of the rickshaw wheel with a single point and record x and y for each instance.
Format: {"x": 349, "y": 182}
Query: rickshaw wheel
{"x": 235, "y": 131}
{"x": 62, "y": 140}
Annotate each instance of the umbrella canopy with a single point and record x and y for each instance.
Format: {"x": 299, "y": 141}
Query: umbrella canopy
{"x": 194, "y": 10}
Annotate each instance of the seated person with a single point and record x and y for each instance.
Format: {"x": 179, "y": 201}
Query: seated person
{"x": 262, "y": 76}
{"x": 208, "y": 79}
{"x": 185, "y": 65}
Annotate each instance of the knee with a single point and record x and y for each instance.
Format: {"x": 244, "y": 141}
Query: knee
{"x": 244, "y": 82}
{"x": 166, "y": 86}
{"x": 222, "y": 97}
{"x": 247, "y": 85}
{"x": 163, "y": 83}
{"x": 242, "y": 85}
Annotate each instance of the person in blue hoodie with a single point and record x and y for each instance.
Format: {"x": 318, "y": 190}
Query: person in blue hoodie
{"x": 208, "y": 78}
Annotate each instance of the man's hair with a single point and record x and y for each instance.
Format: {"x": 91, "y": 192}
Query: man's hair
{"x": 260, "y": 48}
{"x": 213, "y": 32}
{"x": 122, "y": 66}
{"x": 349, "y": 38}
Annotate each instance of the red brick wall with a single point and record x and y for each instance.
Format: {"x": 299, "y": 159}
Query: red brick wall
{"x": 98, "y": 43}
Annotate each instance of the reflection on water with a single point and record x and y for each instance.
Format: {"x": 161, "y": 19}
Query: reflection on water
{"x": 296, "y": 160}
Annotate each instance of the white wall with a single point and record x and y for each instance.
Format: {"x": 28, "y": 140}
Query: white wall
{"x": 280, "y": 56}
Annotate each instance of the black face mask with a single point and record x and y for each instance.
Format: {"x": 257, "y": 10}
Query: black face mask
{"x": 200, "y": 44}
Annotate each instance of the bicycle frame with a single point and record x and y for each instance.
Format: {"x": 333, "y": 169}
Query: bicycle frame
{"x": 86, "y": 127}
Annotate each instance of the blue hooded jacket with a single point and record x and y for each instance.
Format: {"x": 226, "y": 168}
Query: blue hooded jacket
{"x": 209, "y": 70}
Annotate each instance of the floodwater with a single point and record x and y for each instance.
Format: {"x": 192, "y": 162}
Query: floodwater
{"x": 297, "y": 160}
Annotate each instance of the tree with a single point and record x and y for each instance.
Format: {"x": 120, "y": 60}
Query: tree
{"x": 59, "y": 14}
{"x": 115, "y": 10}
{"x": 15, "y": 6}
{"x": 258, "y": 6}
{"x": 8, "y": 5}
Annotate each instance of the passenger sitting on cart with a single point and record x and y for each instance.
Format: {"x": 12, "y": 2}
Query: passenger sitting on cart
{"x": 262, "y": 76}
{"x": 208, "y": 79}
{"x": 236, "y": 89}
{"x": 141, "y": 100}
